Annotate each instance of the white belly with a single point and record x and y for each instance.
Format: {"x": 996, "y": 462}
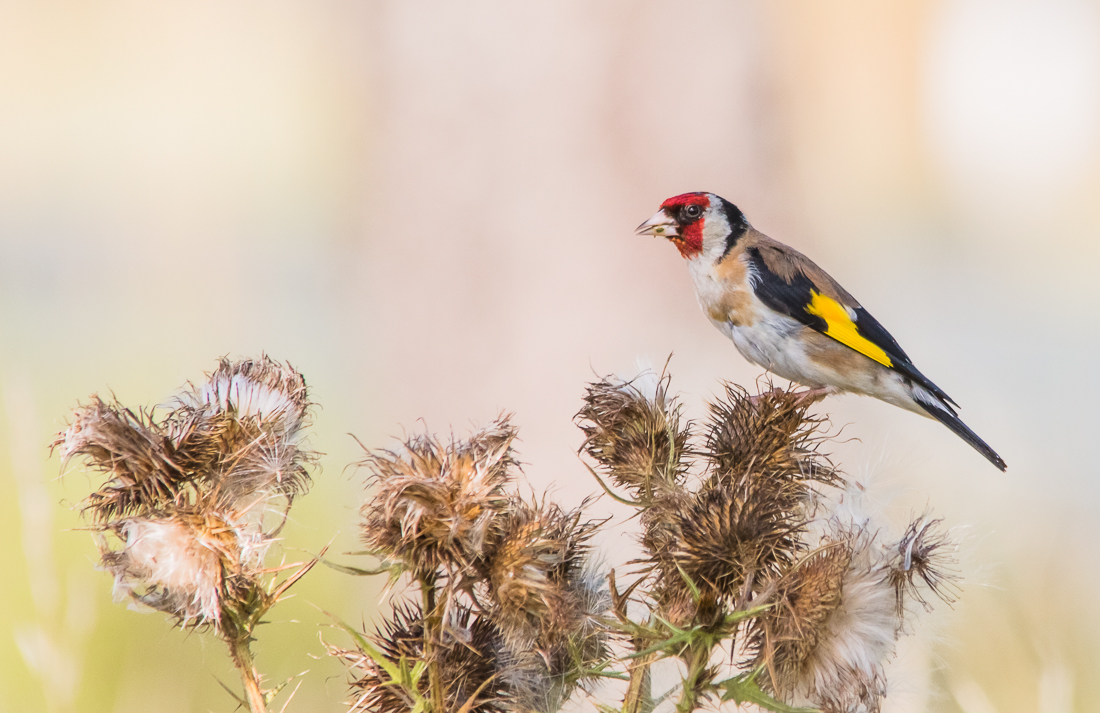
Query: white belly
{"x": 775, "y": 342}
{"x": 772, "y": 342}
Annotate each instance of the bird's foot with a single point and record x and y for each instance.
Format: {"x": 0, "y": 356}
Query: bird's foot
{"x": 805, "y": 397}
{"x": 772, "y": 392}
{"x": 812, "y": 396}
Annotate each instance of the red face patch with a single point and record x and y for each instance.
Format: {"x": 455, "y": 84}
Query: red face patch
{"x": 690, "y": 240}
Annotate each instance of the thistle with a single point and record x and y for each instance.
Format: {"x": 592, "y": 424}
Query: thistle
{"x": 437, "y": 503}
{"x": 771, "y": 434}
{"x": 805, "y": 600}
{"x": 467, "y": 656}
{"x": 536, "y": 559}
{"x": 507, "y": 579}
{"x": 732, "y": 540}
{"x": 190, "y": 506}
{"x": 922, "y": 561}
{"x": 634, "y": 431}
{"x": 760, "y": 575}
{"x": 547, "y": 603}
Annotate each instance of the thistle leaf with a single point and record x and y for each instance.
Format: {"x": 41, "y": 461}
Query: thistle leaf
{"x": 743, "y": 689}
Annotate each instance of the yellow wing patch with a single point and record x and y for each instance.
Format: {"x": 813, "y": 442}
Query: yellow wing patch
{"x": 843, "y": 329}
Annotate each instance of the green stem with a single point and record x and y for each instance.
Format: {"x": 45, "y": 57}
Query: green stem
{"x": 433, "y": 626}
{"x": 696, "y": 659}
{"x": 639, "y": 693}
{"x": 242, "y": 659}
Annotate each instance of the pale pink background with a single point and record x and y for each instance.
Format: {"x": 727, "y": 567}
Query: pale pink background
{"x": 429, "y": 208}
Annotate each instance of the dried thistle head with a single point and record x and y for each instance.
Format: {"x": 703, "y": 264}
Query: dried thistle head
{"x": 924, "y": 555}
{"x": 529, "y": 563}
{"x": 786, "y": 635}
{"x": 745, "y": 524}
{"x": 834, "y": 626}
{"x": 547, "y": 602}
{"x": 568, "y": 647}
{"x": 179, "y": 564}
{"x": 263, "y": 390}
{"x": 238, "y": 435}
{"x": 260, "y": 465}
{"x": 467, "y": 658}
{"x": 140, "y": 459}
{"x": 245, "y": 424}
{"x": 731, "y": 540}
{"x": 181, "y": 515}
{"x": 636, "y": 437}
{"x": 770, "y": 433}
{"x": 436, "y": 503}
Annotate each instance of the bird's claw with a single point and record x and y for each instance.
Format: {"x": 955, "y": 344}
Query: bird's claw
{"x": 805, "y": 397}
{"x": 812, "y": 396}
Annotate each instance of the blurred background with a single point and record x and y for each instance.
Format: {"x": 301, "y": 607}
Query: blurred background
{"x": 428, "y": 208}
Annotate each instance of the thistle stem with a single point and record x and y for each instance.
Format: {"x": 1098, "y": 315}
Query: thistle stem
{"x": 432, "y": 629}
{"x": 242, "y": 659}
{"x": 696, "y": 659}
{"x": 639, "y": 693}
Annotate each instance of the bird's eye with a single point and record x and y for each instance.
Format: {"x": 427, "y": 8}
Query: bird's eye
{"x": 692, "y": 212}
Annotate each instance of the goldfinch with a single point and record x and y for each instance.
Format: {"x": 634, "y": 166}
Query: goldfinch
{"x": 784, "y": 313}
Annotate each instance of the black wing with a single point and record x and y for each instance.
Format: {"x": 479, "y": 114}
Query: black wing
{"x": 797, "y": 296}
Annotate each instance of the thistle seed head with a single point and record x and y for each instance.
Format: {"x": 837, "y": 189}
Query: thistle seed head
{"x": 139, "y": 457}
{"x": 637, "y": 438}
{"x": 547, "y": 602}
{"x": 769, "y": 433}
{"x": 835, "y": 624}
{"x": 181, "y": 514}
{"x": 264, "y": 467}
{"x": 573, "y": 639}
{"x": 924, "y": 556}
{"x": 177, "y": 565}
{"x": 731, "y": 539}
{"x": 262, "y": 390}
{"x": 436, "y": 504}
{"x": 467, "y": 658}
{"x": 237, "y": 437}
{"x": 568, "y": 647}
{"x": 527, "y": 567}
{"x": 245, "y": 426}
{"x": 788, "y": 633}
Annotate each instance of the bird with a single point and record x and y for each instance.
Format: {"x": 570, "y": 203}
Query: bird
{"x": 787, "y": 315}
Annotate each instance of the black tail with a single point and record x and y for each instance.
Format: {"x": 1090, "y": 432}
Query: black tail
{"x": 944, "y": 415}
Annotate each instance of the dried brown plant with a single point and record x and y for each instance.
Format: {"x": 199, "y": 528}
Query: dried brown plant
{"x": 849, "y": 631}
{"x": 441, "y": 512}
{"x": 182, "y": 519}
{"x": 757, "y": 556}
{"x": 924, "y": 556}
{"x": 755, "y": 551}
{"x": 771, "y": 435}
{"x": 436, "y": 503}
{"x": 531, "y": 568}
{"x": 468, "y": 663}
{"x": 136, "y": 453}
{"x": 788, "y": 633}
{"x": 247, "y": 418}
{"x": 634, "y": 431}
{"x": 733, "y": 540}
